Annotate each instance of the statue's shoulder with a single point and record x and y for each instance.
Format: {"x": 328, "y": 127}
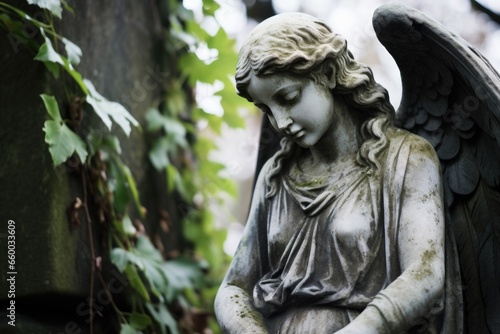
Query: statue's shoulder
{"x": 403, "y": 139}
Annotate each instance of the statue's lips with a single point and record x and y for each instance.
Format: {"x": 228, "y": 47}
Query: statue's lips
{"x": 296, "y": 134}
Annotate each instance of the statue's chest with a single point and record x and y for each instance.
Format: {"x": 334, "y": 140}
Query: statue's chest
{"x": 347, "y": 222}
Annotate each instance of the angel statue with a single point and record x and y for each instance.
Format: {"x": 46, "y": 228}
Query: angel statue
{"x": 356, "y": 225}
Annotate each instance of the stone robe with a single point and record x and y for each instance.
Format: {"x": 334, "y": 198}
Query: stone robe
{"x": 327, "y": 247}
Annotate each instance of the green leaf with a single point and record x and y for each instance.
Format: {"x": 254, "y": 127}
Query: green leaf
{"x": 128, "y": 227}
{"x": 50, "y": 57}
{"x": 62, "y": 141}
{"x": 158, "y": 154}
{"x": 67, "y": 7}
{"x": 73, "y": 51}
{"x": 154, "y": 120}
{"x": 181, "y": 274}
{"x": 210, "y": 7}
{"x": 119, "y": 186}
{"x": 136, "y": 281}
{"x": 145, "y": 249}
{"x": 132, "y": 187}
{"x": 128, "y": 329}
{"x": 173, "y": 177}
{"x": 112, "y": 143}
{"x": 18, "y": 29}
{"x": 120, "y": 258}
{"x": 172, "y": 126}
{"x": 54, "y": 6}
{"x": 107, "y": 109}
{"x": 52, "y": 68}
{"x": 163, "y": 316}
{"x": 108, "y": 143}
{"x": 51, "y": 106}
{"x": 11, "y": 25}
{"x": 139, "y": 320}
{"x": 157, "y": 280}
{"x": 48, "y": 53}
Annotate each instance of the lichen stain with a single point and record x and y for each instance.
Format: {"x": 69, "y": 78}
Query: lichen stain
{"x": 427, "y": 258}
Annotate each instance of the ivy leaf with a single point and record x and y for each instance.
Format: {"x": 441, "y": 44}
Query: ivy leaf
{"x": 47, "y": 53}
{"x": 181, "y": 274}
{"x": 170, "y": 125}
{"x": 128, "y": 329}
{"x": 119, "y": 186}
{"x": 73, "y": 51}
{"x": 132, "y": 187}
{"x": 18, "y": 29}
{"x": 119, "y": 257}
{"x": 49, "y": 56}
{"x": 62, "y": 141}
{"x": 157, "y": 280}
{"x": 54, "y": 6}
{"x": 128, "y": 227}
{"x": 173, "y": 179}
{"x": 163, "y": 316}
{"x": 154, "y": 120}
{"x": 51, "y": 106}
{"x": 158, "y": 154}
{"x": 136, "y": 281}
{"x": 139, "y": 320}
{"x": 145, "y": 249}
{"x": 210, "y": 7}
{"x": 107, "y": 109}
{"x": 108, "y": 143}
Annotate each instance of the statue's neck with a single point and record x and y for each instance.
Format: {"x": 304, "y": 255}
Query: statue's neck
{"x": 341, "y": 141}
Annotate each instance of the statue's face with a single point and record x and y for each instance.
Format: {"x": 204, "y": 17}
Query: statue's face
{"x": 296, "y": 106}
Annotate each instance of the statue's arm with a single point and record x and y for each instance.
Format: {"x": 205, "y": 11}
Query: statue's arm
{"x": 234, "y": 303}
{"x": 421, "y": 251}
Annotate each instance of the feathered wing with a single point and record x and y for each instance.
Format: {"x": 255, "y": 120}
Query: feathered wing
{"x": 451, "y": 97}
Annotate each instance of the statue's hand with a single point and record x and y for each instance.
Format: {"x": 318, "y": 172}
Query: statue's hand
{"x": 368, "y": 322}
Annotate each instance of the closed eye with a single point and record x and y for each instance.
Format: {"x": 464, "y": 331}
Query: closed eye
{"x": 291, "y": 96}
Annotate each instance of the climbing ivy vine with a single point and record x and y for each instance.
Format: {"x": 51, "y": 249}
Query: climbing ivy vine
{"x": 158, "y": 287}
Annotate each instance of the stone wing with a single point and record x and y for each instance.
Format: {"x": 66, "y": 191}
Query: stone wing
{"x": 451, "y": 97}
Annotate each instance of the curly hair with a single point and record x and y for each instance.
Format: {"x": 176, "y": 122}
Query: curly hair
{"x": 300, "y": 44}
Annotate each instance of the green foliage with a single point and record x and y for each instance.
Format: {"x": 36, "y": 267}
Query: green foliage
{"x": 157, "y": 286}
{"x": 61, "y": 140}
{"x": 107, "y": 110}
{"x": 199, "y": 177}
{"x": 54, "y": 6}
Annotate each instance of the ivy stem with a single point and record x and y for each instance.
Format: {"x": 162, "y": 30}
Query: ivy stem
{"x": 25, "y": 16}
{"x": 117, "y": 310}
{"x": 92, "y": 252}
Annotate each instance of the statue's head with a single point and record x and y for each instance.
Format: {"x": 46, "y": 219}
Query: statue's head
{"x": 294, "y": 43}
{"x": 302, "y": 45}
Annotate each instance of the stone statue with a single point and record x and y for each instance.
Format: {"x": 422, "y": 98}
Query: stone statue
{"x": 358, "y": 226}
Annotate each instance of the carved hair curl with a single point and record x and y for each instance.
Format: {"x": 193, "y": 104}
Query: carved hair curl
{"x": 303, "y": 45}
